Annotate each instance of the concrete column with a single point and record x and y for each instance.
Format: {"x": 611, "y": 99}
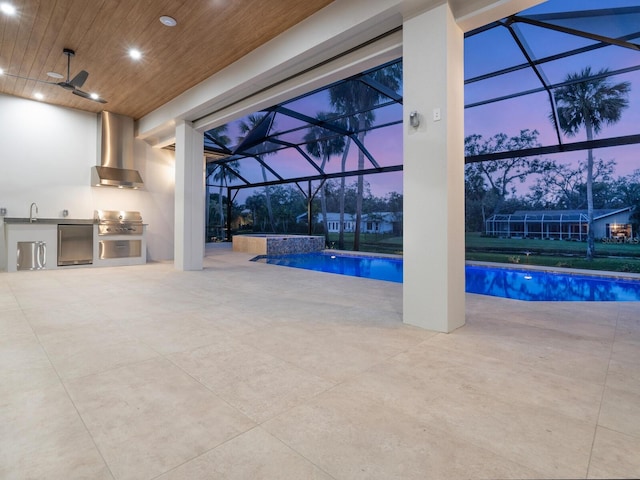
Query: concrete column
{"x": 433, "y": 65}
{"x": 190, "y": 198}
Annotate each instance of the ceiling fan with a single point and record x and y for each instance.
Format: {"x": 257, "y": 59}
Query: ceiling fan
{"x": 72, "y": 84}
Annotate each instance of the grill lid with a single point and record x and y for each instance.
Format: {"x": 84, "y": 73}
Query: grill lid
{"x": 117, "y": 216}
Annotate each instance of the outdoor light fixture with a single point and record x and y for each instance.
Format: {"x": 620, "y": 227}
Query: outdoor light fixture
{"x": 414, "y": 119}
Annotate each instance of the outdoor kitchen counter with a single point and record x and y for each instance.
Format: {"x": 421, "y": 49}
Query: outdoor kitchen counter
{"x": 49, "y": 221}
{"x": 45, "y": 230}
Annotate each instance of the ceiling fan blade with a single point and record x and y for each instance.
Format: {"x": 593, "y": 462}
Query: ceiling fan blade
{"x": 79, "y": 79}
{"x": 30, "y": 79}
{"x": 82, "y": 94}
{"x": 66, "y": 86}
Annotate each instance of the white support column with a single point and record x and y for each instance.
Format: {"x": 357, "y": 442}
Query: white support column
{"x": 190, "y": 198}
{"x": 434, "y": 278}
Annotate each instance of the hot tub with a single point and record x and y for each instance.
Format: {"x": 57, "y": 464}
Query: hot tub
{"x": 274, "y": 244}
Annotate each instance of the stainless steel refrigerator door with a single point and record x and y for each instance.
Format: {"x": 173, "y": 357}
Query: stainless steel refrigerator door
{"x": 31, "y": 255}
{"x": 75, "y": 245}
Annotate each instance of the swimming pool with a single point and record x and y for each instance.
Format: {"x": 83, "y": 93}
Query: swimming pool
{"x": 537, "y": 285}
{"x": 378, "y": 268}
{"x": 518, "y": 284}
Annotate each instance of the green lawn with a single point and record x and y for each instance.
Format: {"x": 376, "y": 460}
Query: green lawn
{"x": 370, "y": 242}
{"x": 559, "y": 253}
{"x": 549, "y": 253}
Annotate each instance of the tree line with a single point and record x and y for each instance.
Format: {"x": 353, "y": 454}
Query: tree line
{"x": 288, "y": 202}
{"x": 492, "y": 188}
{"x": 352, "y": 105}
{"x": 586, "y": 101}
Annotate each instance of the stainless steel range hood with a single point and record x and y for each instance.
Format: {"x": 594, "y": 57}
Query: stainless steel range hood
{"x": 115, "y": 151}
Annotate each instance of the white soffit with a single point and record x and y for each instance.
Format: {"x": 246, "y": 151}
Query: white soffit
{"x": 382, "y": 51}
{"x": 337, "y": 28}
{"x": 472, "y": 14}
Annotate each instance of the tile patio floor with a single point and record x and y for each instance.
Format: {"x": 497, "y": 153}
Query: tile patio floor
{"x": 254, "y": 371}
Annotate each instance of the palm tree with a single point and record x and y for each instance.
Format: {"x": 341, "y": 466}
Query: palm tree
{"x": 322, "y": 144}
{"x": 357, "y": 100}
{"x": 255, "y": 203}
{"x": 345, "y": 154}
{"x": 218, "y": 136}
{"x": 245, "y": 127}
{"x": 223, "y": 174}
{"x": 590, "y": 101}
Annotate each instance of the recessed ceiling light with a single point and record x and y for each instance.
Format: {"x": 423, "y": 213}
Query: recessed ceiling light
{"x": 7, "y": 8}
{"x": 38, "y": 96}
{"x": 94, "y": 96}
{"x": 54, "y": 75}
{"x": 168, "y": 21}
{"x": 135, "y": 54}
{"x": 1, "y": 71}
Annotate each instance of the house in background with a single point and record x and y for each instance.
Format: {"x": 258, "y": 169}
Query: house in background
{"x": 333, "y": 221}
{"x": 561, "y": 224}
{"x": 382, "y": 222}
{"x": 375, "y": 222}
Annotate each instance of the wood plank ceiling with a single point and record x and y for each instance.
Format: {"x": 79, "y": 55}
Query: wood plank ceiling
{"x": 210, "y": 35}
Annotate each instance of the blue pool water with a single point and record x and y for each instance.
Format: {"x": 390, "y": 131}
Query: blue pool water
{"x": 549, "y": 286}
{"x": 517, "y": 284}
{"x": 378, "y": 268}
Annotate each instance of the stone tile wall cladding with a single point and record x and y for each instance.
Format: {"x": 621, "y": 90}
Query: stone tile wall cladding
{"x": 286, "y": 245}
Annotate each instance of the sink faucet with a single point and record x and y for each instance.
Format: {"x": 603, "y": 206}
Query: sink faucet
{"x": 32, "y": 217}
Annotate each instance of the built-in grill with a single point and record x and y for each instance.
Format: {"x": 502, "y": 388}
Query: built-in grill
{"x": 118, "y": 222}
{"x": 112, "y": 225}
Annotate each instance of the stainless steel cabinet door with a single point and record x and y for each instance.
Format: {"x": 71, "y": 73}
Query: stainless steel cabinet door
{"x": 31, "y": 256}
{"x": 119, "y": 248}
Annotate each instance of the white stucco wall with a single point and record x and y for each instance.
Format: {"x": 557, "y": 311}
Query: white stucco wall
{"x": 46, "y": 157}
{"x": 434, "y": 172}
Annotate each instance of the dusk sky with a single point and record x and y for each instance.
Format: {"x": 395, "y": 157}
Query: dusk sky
{"x": 485, "y": 53}
{"x": 384, "y": 144}
{"x": 495, "y": 49}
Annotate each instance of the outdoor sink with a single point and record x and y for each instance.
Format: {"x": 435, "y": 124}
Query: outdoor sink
{"x": 50, "y": 221}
